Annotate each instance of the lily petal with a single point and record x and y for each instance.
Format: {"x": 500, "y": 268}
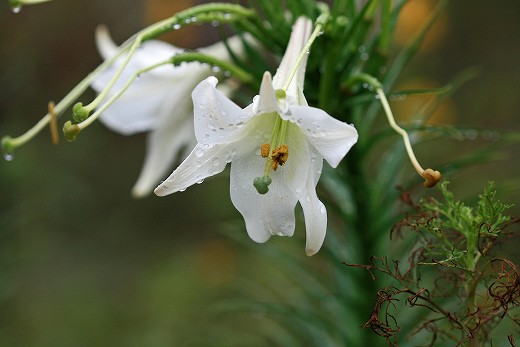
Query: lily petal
{"x": 264, "y": 214}
{"x": 331, "y": 137}
{"x": 162, "y": 151}
{"x": 137, "y": 109}
{"x": 217, "y": 118}
{"x": 204, "y": 161}
{"x": 266, "y": 101}
{"x": 104, "y": 43}
{"x": 301, "y": 31}
{"x": 314, "y": 211}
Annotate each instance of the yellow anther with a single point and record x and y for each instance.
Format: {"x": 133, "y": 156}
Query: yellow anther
{"x": 432, "y": 177}
{"x": 264, "y": 150}
{"x": 279, "y": 156}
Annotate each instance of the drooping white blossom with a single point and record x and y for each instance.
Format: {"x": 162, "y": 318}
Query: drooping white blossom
{"x": 276, "y": 148}
{"x": 158, "y": 102}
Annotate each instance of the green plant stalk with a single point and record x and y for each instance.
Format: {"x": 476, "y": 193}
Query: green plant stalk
{"x": 233, "y": 69}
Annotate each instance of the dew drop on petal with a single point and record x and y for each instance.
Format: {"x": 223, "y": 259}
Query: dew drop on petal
{"x": 323, "y": 210}
{"x": 199, "y": 152}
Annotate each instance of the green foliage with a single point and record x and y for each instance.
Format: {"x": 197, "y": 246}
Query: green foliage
{"x": 467, "y": 224}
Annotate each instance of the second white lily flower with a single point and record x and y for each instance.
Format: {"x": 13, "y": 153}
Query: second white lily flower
{"x": 158, "y": 103}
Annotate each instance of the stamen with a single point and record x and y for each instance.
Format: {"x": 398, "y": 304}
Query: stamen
{"x": 264, "y": 150}
{"x": 279, "y": 156}
{"x": 432, "y": 177}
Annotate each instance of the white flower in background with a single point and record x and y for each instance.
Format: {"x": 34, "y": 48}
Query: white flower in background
{"x": 276, "y": 147}
{"x": 158, "y": 102}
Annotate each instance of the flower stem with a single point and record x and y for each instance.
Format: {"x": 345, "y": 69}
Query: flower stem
{"x": 109, "y": 102}
{"x": 234, "y": 70}
{"x": 10, "y": 144}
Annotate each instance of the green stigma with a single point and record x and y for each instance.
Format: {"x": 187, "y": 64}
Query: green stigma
{"x": 262, "y": 184}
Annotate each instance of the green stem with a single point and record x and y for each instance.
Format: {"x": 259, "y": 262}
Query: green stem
{"x": 10, "y": 144}
{"x": 236, "y": 71}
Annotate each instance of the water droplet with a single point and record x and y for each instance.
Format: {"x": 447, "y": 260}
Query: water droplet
{"x": 227, "y": 73}
{"x": 182, "y": 189}
{"x": 8, "y": 156}
{"x": 215, "y": 68}
{"x": 227, "y": 15}
{"x": 176, "y": 26}
{"x": 200, "y": 181}
{"x": 323, "y": 210}
{"x": 16, "y": 9}
{"x": 215, "y": 23}
{"x": 199, "y": 152}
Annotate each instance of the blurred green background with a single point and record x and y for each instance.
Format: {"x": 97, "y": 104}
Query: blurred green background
{"x": 82, "y": 263}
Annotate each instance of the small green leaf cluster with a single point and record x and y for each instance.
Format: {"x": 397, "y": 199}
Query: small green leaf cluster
{"x": 462, "y": 228}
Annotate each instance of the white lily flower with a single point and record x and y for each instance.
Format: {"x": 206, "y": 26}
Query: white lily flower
{"x": 299, "y": 137}
{"x": 158, "y": 102}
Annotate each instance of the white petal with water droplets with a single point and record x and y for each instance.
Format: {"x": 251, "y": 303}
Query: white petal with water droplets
{"x": 217, "y": 118}
{"x": 331, "y": 137}
{"x": 204, "y": 161}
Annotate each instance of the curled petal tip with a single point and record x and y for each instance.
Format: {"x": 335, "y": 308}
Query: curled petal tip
{"x": 138, "y": 193}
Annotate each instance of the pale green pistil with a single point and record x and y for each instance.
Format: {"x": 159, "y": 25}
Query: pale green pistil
{"x": 275, "y": 151}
